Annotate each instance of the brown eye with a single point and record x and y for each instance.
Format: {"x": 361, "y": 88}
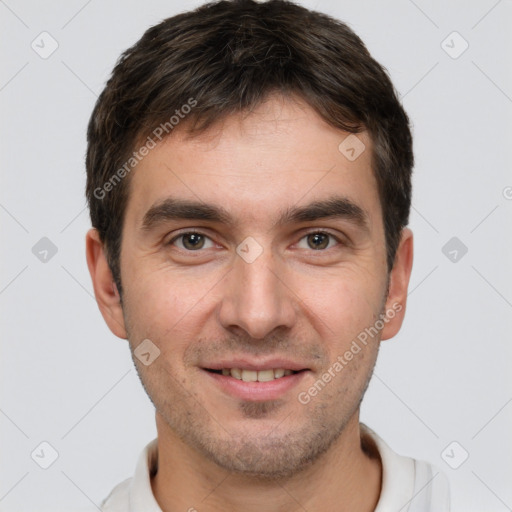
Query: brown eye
{"x": 318, "y": 241}
{"x": 192, "y": 241}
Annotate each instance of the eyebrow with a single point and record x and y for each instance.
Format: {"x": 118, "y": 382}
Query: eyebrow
{"x": 183, "y": 209}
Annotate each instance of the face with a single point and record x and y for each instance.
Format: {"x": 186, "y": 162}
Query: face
{"x": 255, "y": 251}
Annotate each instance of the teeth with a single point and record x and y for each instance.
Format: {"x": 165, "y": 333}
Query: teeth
{"x": 266, "y": 375}
{"x": 249, "y": 376}
{"x": 236, "y": 373}
{"x": 256, "y": 376}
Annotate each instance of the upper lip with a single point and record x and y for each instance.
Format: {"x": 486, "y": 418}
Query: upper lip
{"x": 247, "y": 364}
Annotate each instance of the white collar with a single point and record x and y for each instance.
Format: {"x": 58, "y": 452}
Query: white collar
{"x": 405, "y": 482}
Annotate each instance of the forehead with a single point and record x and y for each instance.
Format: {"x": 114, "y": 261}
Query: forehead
{"x": 253, "y": 165}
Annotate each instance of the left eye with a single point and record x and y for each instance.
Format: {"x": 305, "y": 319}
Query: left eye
{"x": 192, "y": 241}
{"x": 318, "y": 241}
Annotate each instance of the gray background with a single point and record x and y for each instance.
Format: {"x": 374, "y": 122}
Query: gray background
{"x": 446, "y": 377}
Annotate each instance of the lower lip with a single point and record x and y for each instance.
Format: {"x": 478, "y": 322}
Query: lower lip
{"x": 270, "y": 390}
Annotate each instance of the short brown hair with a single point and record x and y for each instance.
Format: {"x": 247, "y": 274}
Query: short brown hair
{"x": 227, "y": 57}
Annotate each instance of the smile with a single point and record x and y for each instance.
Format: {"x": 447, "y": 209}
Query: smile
{"x": 254, "y": 375}
{"x": 256, "y": 383}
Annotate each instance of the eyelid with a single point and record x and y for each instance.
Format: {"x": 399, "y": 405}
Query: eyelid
{"x": 326, "y": 231}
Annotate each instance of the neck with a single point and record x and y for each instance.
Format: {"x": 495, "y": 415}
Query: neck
{"x": 345, "y": 478}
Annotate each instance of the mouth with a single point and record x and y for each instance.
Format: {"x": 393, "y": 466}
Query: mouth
{"x": 256, "y": 382}
{"x": 254, "y": 375}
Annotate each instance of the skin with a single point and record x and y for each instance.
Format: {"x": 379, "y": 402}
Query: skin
{"x": 221, "y": 452}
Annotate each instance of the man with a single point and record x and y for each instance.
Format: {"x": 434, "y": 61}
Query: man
{"x": 249, "y": 181}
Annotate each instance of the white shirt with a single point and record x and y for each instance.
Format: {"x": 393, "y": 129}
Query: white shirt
{"x": 408, "y": 485}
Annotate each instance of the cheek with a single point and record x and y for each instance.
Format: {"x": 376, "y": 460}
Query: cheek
{"x": 155, "y": 314}
{"x": 170, "y": 308}
{"x": 341, "y": 305}
{"x": 161, "y": 295}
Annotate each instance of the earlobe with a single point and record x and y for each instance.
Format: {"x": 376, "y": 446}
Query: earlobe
{"x": 398, "y": 285}
{"x": 105, "y": 290}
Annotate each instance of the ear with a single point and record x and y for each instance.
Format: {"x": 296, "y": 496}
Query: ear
{"x": 105, "y": 290}
{"x": 398, "y": 284}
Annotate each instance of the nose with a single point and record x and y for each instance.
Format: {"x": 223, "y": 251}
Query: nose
{"x": 257, "y": 298}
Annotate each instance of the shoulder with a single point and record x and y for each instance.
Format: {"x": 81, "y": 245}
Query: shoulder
{"x": 407, "y": 483}
{"x": 119, "y": 498}
{"x": 431, "y": 489}
{"x": 135, "y": 493}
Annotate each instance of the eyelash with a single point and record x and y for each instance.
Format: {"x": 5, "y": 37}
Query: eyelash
{"x": 314, "y": 232}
